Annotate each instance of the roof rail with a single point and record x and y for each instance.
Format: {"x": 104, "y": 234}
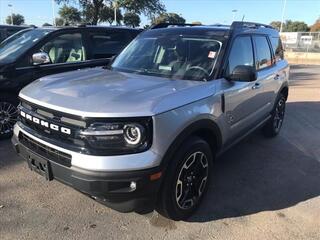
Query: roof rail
{"x": 238, "y": 24}
{"x": 165, "y": 25}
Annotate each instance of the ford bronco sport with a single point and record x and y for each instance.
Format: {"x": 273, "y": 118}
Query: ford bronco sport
{"x": 143, "y": 134}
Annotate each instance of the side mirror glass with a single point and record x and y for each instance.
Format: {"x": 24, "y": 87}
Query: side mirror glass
{"x": 243, "y": 73}
{"x": 40, "y": 58}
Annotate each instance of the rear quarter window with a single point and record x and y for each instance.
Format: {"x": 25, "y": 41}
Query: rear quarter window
{"x": 277, "y": 48}
{"x": 263, "y": 52}
{"x": 105, "y": 44}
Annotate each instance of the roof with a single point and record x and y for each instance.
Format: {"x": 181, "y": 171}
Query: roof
{"x": 92, "y": 27}
{"x": 236, "y": 28}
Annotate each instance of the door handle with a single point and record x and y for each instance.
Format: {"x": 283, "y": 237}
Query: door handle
{"x": 277, "y": 77}
{"x": 256, "y": 86}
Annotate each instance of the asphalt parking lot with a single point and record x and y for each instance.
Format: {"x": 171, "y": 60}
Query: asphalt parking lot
{"x": 262, "y": 189}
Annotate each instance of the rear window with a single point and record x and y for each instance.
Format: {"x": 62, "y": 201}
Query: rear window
{"x": 108, "y": 43}
{"x": 277, "y": 48}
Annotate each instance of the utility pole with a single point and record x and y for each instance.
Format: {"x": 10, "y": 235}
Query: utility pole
{"x": 283, "y": 12}
{"x": 115, "y": 6}
{"x": 53, "y": 14}
{"x": 11, "y": 7}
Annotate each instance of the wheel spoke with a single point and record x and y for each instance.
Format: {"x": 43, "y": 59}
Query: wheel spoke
{"x": 191, "y": 180}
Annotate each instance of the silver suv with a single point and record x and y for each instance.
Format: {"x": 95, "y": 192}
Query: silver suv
{"x": 143, "y": 133}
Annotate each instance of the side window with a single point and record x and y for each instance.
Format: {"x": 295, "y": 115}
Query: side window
{"x": 263, "y": 54}
{"x": 65, "y": 48}
{"x": 107, "y": 44}
{"x": 277, "y": 48}
{"x": 241, "y": 54}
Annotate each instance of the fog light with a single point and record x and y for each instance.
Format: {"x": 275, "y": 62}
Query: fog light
{"x": 133, "y": 186}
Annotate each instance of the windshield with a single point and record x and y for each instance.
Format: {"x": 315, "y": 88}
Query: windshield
{"x": 16, "y": 45}
{"x": 177, "y": 57}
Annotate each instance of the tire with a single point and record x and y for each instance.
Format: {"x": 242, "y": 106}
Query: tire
{"x": 274, "y": 124}
{"x": 8, "y": 115}
{"x": 186, "y": 176}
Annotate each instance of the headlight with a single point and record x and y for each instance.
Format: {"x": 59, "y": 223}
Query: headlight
{"x": 119, "y": 137}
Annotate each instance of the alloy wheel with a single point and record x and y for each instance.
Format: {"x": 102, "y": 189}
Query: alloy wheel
{"x": 192, "y": 180}
{"x": 8, "y": 117}
{"x": 279, "y": 115}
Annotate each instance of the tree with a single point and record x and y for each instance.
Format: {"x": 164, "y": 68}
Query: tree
{"x": 276, "y": 25}
{"x": 46, "y": 25}
{"x": 15, "y": 19}
{"x": 59, "y": 22}
{"x": 295, "y": 26}
{"x": 291, "y": 26}
{"x": 169, "y": 18}
{"x": 70, "y": 15}
{"x": 316, "y": 26}
{"x": 131, "y": 19}
{"x": 107, "y": 15}
{"x": 96, "y": 10}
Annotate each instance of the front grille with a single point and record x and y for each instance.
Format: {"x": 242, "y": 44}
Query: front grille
{"x": 71, "y": 141}
{"x": 45, "y": 151}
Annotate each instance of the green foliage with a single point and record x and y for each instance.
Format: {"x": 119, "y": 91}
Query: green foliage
{"x": 17, "y": 19}
{"x": 291, "y": 26}
{"x": 70, "y": 15}
{"x": 59, "y": 22}
{"x": 95, "y": 11}
{"x": 295, "y": 26}
{"x": 46, "y": 25}
{"x": 169, "y": 18}
{"x": 276, "y": 25}
{"x": 131, "y": 19}
{"x": 150, "y": 8}
{"x": 107, "y": 15}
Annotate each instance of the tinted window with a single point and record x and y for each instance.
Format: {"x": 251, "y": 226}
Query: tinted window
{"x": 23, "y": 41}
{"x": 65, "y": 48}
{"x": 241, "y": 54}
{"x": 107, "y": 44}
{"x": 277, "y": 48}
{"x": 263, "y": 55}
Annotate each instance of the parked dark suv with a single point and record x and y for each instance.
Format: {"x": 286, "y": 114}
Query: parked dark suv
{"x": 8, "y": 30}
{"x": 35, "y": 53}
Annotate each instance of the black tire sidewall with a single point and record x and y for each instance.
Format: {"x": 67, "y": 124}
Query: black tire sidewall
{"x": 169, "y": 206}
{"x": 269, "y": 129}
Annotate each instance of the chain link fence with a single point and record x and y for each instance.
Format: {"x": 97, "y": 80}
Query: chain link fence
{"x": 304, "y": 42}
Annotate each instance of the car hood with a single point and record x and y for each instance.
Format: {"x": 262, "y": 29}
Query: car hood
{"x": 98, "y": 92}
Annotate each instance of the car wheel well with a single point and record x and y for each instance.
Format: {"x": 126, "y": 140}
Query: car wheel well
{"x": 208, "y": 136}
{"x": 205, "y": 129}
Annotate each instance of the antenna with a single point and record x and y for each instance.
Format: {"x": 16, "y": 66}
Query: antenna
{"x": 243, "y": 17}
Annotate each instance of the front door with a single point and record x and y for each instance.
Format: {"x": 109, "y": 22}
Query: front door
{"x": 242, "y": 104}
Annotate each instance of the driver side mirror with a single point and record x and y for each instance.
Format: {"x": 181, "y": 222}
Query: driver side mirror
{"x": 243, "y": 73}
{"x": 40, "y": 58}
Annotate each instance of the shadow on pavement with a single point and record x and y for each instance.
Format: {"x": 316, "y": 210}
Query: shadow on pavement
{"x": 7, "y": 154}
{"x": 267, "y": 174}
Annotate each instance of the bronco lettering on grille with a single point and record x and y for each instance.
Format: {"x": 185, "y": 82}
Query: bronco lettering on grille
{"x": 45, "y": 124}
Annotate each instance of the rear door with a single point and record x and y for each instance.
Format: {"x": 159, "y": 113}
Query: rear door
{"x": 267, "y": 73}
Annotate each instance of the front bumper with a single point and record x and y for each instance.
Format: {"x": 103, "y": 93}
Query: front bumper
{"x": 112, "y": 188}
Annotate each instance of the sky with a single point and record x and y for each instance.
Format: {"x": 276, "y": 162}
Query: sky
{"x": 38, "y": 12}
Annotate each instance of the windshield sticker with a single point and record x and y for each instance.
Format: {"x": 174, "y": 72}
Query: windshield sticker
{"x": 212, "y": 54}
